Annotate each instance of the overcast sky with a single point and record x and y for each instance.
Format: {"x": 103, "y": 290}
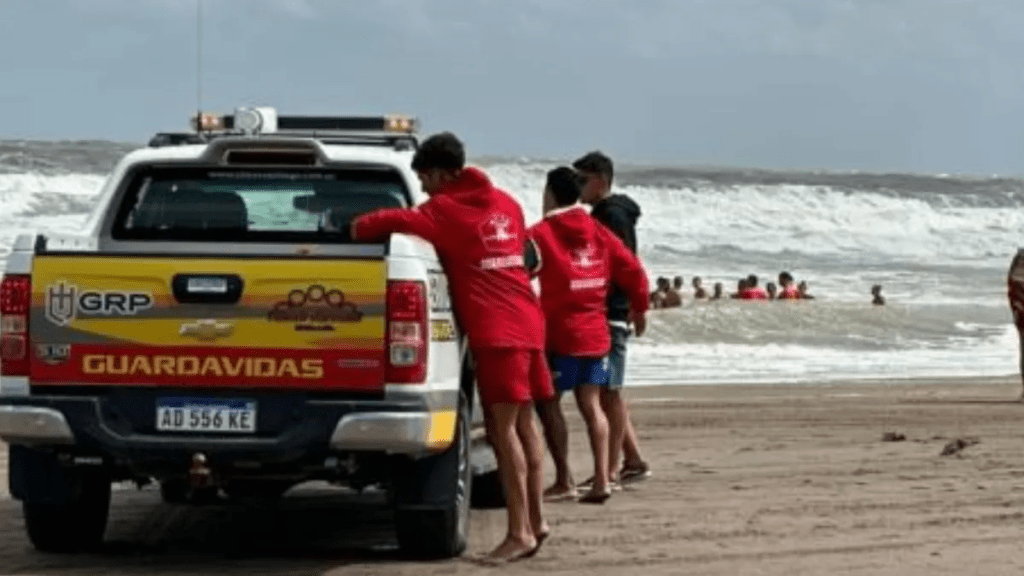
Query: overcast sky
{"x": 916, "y": 85}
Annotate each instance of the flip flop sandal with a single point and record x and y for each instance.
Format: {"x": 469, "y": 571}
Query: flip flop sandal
{"x": 595, "y": 497}
{"x": 634, "y": 474}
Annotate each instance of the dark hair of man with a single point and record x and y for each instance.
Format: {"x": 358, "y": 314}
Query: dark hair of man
{"x": 442, "y": 151}
{"x": 564, "y": 185}
{"x": 595, "y": 163}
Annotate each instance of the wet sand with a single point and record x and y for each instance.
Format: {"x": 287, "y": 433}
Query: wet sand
{"x": 767, "y": 479}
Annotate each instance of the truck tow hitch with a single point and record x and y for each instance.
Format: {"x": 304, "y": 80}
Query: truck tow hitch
{"x": 199, "y": 475}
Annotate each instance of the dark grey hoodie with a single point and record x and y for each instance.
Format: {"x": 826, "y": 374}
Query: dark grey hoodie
{"x": 619, "y": 213}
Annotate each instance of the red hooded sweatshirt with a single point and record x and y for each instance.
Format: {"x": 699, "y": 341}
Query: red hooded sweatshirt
{"x": 479, "y": 233}
{"x": 789, "y": 293}
{"x": 578, "y": 258}
{"x": 756, "y": 293}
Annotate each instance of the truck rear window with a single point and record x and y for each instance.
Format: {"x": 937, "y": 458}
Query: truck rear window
{"x": 232, "y": 205}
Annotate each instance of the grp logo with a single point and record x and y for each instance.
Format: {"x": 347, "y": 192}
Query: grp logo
{"x": 65, "y": 302}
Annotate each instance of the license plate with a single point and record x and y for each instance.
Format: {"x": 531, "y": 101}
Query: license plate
{"x": 207, "y": 285}
{"x": 205, "y": 415}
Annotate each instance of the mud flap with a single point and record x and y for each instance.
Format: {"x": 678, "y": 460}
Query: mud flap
{"x": 36, "y": 476}
{"x": 431, "y": 498}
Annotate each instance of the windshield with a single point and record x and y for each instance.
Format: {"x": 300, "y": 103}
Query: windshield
{"x": 309, "y": 205}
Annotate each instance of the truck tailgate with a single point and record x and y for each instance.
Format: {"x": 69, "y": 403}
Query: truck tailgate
{"x": 269, "y": 323}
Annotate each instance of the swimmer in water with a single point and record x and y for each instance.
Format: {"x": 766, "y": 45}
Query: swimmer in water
{"x": 802, "y": 287}
{"x": 718, "y": 291}
{"x": 741, "y": 288}
{"x": 657, "y": 297}
{"x": 699, "y": 293}
{"x": 788, "y": 290}
{"x": 673, "y": 299}
{"x": 771, "y": 289}
{"x": 878, "y": 299}
{"x": 753, "y": 291}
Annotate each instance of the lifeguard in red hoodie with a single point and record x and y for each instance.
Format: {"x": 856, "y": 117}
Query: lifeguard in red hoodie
{"x": 753, "y": 291}
{"x": 788, "y": 290}
{"x": 578, "y": 260}
{"x": 479, "y": 234}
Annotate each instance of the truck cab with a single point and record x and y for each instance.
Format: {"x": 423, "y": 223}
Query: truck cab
{"x": 214, "y": 329}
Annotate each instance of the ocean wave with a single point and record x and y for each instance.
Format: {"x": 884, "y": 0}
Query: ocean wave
{"x": 802, "y": 219}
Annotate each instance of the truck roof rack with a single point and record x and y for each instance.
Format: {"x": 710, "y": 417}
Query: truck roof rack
{"x": 396, "y": 131}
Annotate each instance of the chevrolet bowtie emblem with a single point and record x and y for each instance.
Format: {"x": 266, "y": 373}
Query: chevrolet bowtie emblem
{"x": 207, "y": 329}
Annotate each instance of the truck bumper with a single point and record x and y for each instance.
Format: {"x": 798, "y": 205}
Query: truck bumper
{"x": 292, "y": 431}
{"x": 33, "y": 425}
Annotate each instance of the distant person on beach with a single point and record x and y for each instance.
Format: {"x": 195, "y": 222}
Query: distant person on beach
{"x": 719, "y": 290}
{"x": 771, "y": 289}
{"x": 802, "y": 288}
{"x": 1015, "y": 293}
{"x": 699, "y": 293}
{"x": 878, "y": 299}
{"x": 579, "y": 258}
{"x": 619, "y": 213}
{"x": 753, "y": 291}
{"x": 788, "y": 289}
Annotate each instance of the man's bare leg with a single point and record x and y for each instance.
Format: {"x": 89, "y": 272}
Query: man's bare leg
{"x": 533, "y": 449}
{"x": 588, "y": 399}
{"x": 556, "y": 434}
{"x": 634, "y": 467}
{"x": 630, "y": 443}
{"x": 512, "y": 465}
{"x": 1020, "y": 337}
{"x": 615, "y": 409}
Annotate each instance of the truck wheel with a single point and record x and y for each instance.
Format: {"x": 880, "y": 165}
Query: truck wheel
{"x": 488, "y": 492}
{"x": 75, "y": 525}
{"x": 432, "y": 498}
{"x": 174, "y": 491}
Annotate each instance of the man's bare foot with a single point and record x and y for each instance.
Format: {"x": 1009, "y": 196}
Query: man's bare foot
{"x": 559, "y": 493}
{"x": 510, "y": 550}
{"x": 541, "y": 534}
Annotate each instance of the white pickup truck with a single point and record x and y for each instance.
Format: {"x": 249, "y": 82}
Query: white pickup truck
{"x": 214, "y": 329}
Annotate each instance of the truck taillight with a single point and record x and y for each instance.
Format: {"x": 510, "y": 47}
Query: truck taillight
{"x": 15, "y": 301}
{"x": 406, "y": 331}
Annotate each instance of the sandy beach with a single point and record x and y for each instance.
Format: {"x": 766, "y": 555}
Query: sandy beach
{"x": 781, "y": 479}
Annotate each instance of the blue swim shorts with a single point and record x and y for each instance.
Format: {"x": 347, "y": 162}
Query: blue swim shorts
{"x": 570, "y": 371}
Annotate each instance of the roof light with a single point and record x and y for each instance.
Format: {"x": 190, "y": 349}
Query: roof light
{"x": 399, "y": 123}
{"x": 265, "y": 120}
{"x": 208, "y": 122}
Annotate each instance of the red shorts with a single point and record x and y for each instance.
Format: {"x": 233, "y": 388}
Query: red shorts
{"x": 512, "y": 375}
